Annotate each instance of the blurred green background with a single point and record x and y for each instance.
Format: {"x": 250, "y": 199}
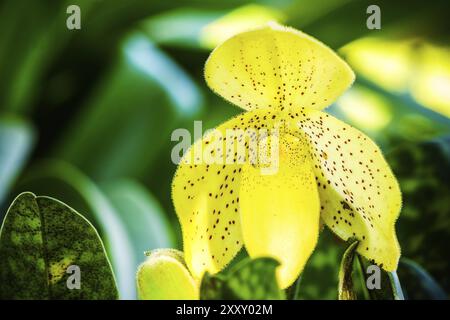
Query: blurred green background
{"x": 86, "y": 115}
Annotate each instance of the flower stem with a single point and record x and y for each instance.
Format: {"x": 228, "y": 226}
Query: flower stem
{"x": 293, "y": 291}
{"x": 396, "y": 287}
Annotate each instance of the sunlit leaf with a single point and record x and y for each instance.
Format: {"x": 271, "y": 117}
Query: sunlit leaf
{"x": 388, "y": 63}
{"x": 238, "y": 20}
{"x": 181, "y": 27}
{"x": 418, "y": 68}
{"x": 431, "y": 83}
{"x": 16, "y": 140}
{"x": 365, "y": 109}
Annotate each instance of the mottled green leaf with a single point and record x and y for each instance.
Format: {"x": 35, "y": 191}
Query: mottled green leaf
{"x": 346, "y": 291}
{"x": 40, "y": 239}
{"x": 247, "y": 280}
{"x": 214, "y": 287}
{"x": 63, "y": 181}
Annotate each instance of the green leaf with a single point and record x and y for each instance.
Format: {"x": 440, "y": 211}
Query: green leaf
{"x": 390, "y": 288}
{"x": 40, "y": 238}
{"x": 143, "y": 98}
{"x": 396, "y": 286}
{"x": 63, "y": 181}
{"x": 141, "y": 214}
{"x": 24, "y": 47}
{"x": 214, "y": 287}
{"x": 418, "y": 284}
{"x": 146, "y": 223}
{"x": 181, "y": 27}
{"x": 248, "y": 280}
{"x": 423, "y": 172}
{"x": 16, "y": 141}
{"x": 319, "y": 278}
{"x": 293, "y": 292}
{"x": 346, "y": 291}
{"x": 31, "y": 48}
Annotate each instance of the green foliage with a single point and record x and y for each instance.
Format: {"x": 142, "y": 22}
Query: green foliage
{"x": 390, "y": 288}
{"x": 423, "y": 171}
{"x": 40, "y": 238}
{"x": 320, "y": 276}
{"x": 345, "y": 289}
{"x": 16, "y": 140}
{"x": 248, "y": 280}
{"x": 141, "y": 214}
{"x": 123, "y": 109}
{"x": 417, "y": 283}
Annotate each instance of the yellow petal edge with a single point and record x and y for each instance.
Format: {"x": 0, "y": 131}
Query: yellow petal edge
{"x": 276, "y": 67}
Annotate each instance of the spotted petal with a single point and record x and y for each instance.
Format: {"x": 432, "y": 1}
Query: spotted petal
{"x": 276, "y": 67}
{"x": 280, "y": 212}
{"x": 359, "y": 195}
{"x": 206, "y": 194}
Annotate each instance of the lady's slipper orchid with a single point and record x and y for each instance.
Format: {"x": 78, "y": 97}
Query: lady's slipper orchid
{"x": 327, "y": 169}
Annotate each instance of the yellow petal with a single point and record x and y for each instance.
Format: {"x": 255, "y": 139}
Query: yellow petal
{"x": 280, "y": 212}
{"x": 274, "y": 67}
{"x": 206, "y": 195}
{"x": 359, "y": 195}
{"x": 164, "y": 276}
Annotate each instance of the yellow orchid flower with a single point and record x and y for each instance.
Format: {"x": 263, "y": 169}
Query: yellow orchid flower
{"x": 327, "y": 170}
